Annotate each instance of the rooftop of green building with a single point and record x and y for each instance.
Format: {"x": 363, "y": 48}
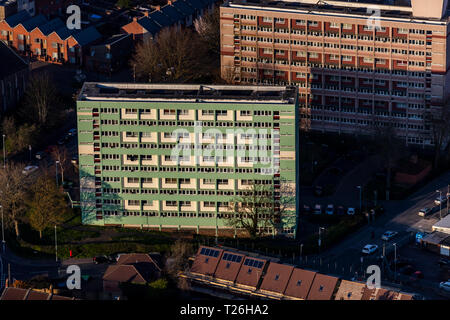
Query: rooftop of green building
{"x": 93, "y": 91}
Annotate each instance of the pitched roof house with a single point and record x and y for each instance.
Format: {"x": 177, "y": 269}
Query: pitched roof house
{"x": 206, "y": 261}
{"x": 322, "y": 287}
{"x": 299, "y": 284}
{"x": 250, "y": 273}
{"x": 276, "y": 278}
{"x": 228, "y": 267}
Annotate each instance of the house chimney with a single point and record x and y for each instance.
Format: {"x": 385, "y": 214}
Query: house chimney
{"x": 169, "y": 2}
{"x": 146, "y": 13}
{"x": 158, "y": 8}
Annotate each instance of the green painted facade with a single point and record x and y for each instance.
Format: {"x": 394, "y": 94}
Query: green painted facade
{"x": 118, "y": 184}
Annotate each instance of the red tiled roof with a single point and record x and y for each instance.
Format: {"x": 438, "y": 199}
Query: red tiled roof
{"x": 132, "y": 258}
{"x": 37, "y": 295}
{"x": 229, "y": 265}
{"x": 300, "y": 283}
{"x": 206, "y": 260}
{"x": 277, "y": 277}
{"x": 249, "y": 274}
{"x": 350, "y": 290}
{"x": 123, "y": 273}
{"x": 12, "y": 293}
{"x": 322, "y": 287}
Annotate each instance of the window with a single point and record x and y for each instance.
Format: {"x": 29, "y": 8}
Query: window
{"x": 171, "y": 203}
{"x": 169, "y": 112}
{"x": 299, "y": 283}
{"x": 277, "y": 277}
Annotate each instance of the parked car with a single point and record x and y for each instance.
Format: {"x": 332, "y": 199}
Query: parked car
{"x": 407, "y": 270}
{"x": 29, "y": 169}
{"x": 317, "y": 209}
{"x": 115, "y": 256}
{"x": 440, "y": 200}
{"x": 72, "y": 132}
{"x": 369, "y": 249}
{"x": 330, "y": 209}
{"x": 340, "y": 210}
{"x": 445, "y": 286}
{"x": 425, "y": 212}
{"x": 40, "y": 155}
{"x": 444, "y": 263}
{"x": 388, "y": 235}
{"x": 101, "y": 259}
{"x": 351, "y": 211}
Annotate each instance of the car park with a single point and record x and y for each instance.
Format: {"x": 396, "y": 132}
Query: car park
{"x": 340, "y": 210}
{"x": 369, "y": 249}
{"x": 425, "y": 212}
{"x": 330, "y": 209}
{"x": 317, "y": 209}
{"x": 351, "y": 211}
{"x": 388, "y": 235}
{"x": 29, "y": 169}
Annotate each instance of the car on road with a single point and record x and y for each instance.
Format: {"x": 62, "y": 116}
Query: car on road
{"x": 330, "y": 209}
{"x": 425, "y": 212}
{"x": 317, "y": 209}
{"x": 101, "y": 259}
{"x": 445, "y": 286}
{"x": 340, "y": 210}
{"x": 29, "y": 169}
{"x": 388, "y": 235}
{"x": 351, "y": 211}
{"x": 369, "y": 249}
{"x": 39, "y": 155}
{"x": 440, "y": 200}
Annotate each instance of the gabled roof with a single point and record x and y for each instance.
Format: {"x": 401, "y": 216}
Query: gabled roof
{"x": 172, "y": 13}
{"x": 149, "y": 25}
{"x": 300, "y": 283}
{"x": 51, "y": 26}
{"x": 183, "y": 7}
{"x": 136, "y": 258}
{"x": 229, "y": 265}
{"x": 87, "y": 36}
{"x": 11, "y": 62}
{"x": 196, "y": 4}
{"x": 17, "y": 18}
{"x": 11, "y": 293}
{"x": 124, "y": 273}
{"x": 206, "y": 260}
{"x": 161, "y": 19}
{"x": 63, "y": 33}
{"x": 277, "y": 277}
{"x": 322, "y": 287}
{"x": 350, "y": 290}
{"x": 251, "y": 271}
{"x": 34, "y": 22}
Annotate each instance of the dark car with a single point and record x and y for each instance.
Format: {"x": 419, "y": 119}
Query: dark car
{"x": 101, "y": 259}
{"x": 340, "y": 210}
{"x": 407, "y": 270}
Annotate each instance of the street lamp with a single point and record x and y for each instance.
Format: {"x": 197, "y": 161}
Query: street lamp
{"x": 301, "y": 252}
{"x": 448, "y": 195}
{"x": 360, "y": 198}
{"x": 395, "y": 261}
{"x": 56, "y": 246}
{"x": 3, "y": 232}
{"x": 440, "y": 203}
{"x": 56, "y": 169}
{"x": 320, "y": 236}
{"x": 4, "y": 152}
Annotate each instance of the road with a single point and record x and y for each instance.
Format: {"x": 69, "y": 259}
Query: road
{"x": 401, "y": 216}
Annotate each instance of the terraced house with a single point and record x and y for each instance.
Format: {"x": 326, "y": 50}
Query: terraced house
{"x": 359, "y": 65}
{"x": 174, "y": 156}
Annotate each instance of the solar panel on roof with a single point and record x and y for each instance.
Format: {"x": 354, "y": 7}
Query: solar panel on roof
{"x": 202, "y": 251}
{"x": 216, "y": 253}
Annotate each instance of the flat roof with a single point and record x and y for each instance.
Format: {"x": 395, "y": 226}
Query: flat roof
{"x": 348, "y": 8}
{"x": 92, "y": 91}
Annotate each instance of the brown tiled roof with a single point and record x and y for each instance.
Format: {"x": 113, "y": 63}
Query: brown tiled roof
{"x": 383, "y": 294}
{"x": 134, "y": 258}
{"x": 206, "y": 260}
{"x": 229, "y": 265}
{"x": 12, "y": 293}
{"x": 322, "y": 287}
{"x": 350, "y": 290}
{"x": 124, "y": 273}
{"x": 277, "y": 277}
{"x": 300, "y": 283}
{"x": 368, "y": 294}
{"x": 249, "y": 274}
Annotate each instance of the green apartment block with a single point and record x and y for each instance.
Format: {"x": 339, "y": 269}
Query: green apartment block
{"x": 173, "y": 156}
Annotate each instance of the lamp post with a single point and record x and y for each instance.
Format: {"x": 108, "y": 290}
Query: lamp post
{"x": 301, "y": 252}
{"x": 56, "y": 246}
{"x": 440, "y": 203}
{"x": 320, "y": 237}
{"x": 56, "y": 169}
{"x": 360, "y": 198}
{"x": 4, "y": 152}
{"x": 448, "y": 195}
{"x": 395, "y": 261}
{"x": 3, "y": 232}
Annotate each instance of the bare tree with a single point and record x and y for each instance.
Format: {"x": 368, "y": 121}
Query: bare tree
{"x": 208, "y": 27}
{"x": 174, "y": 56}
{"x": 260, "y": 207}
{"x": 439, "y": 125}
{"x": 61, "y": 155}
{"x": 14, "y": 190}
